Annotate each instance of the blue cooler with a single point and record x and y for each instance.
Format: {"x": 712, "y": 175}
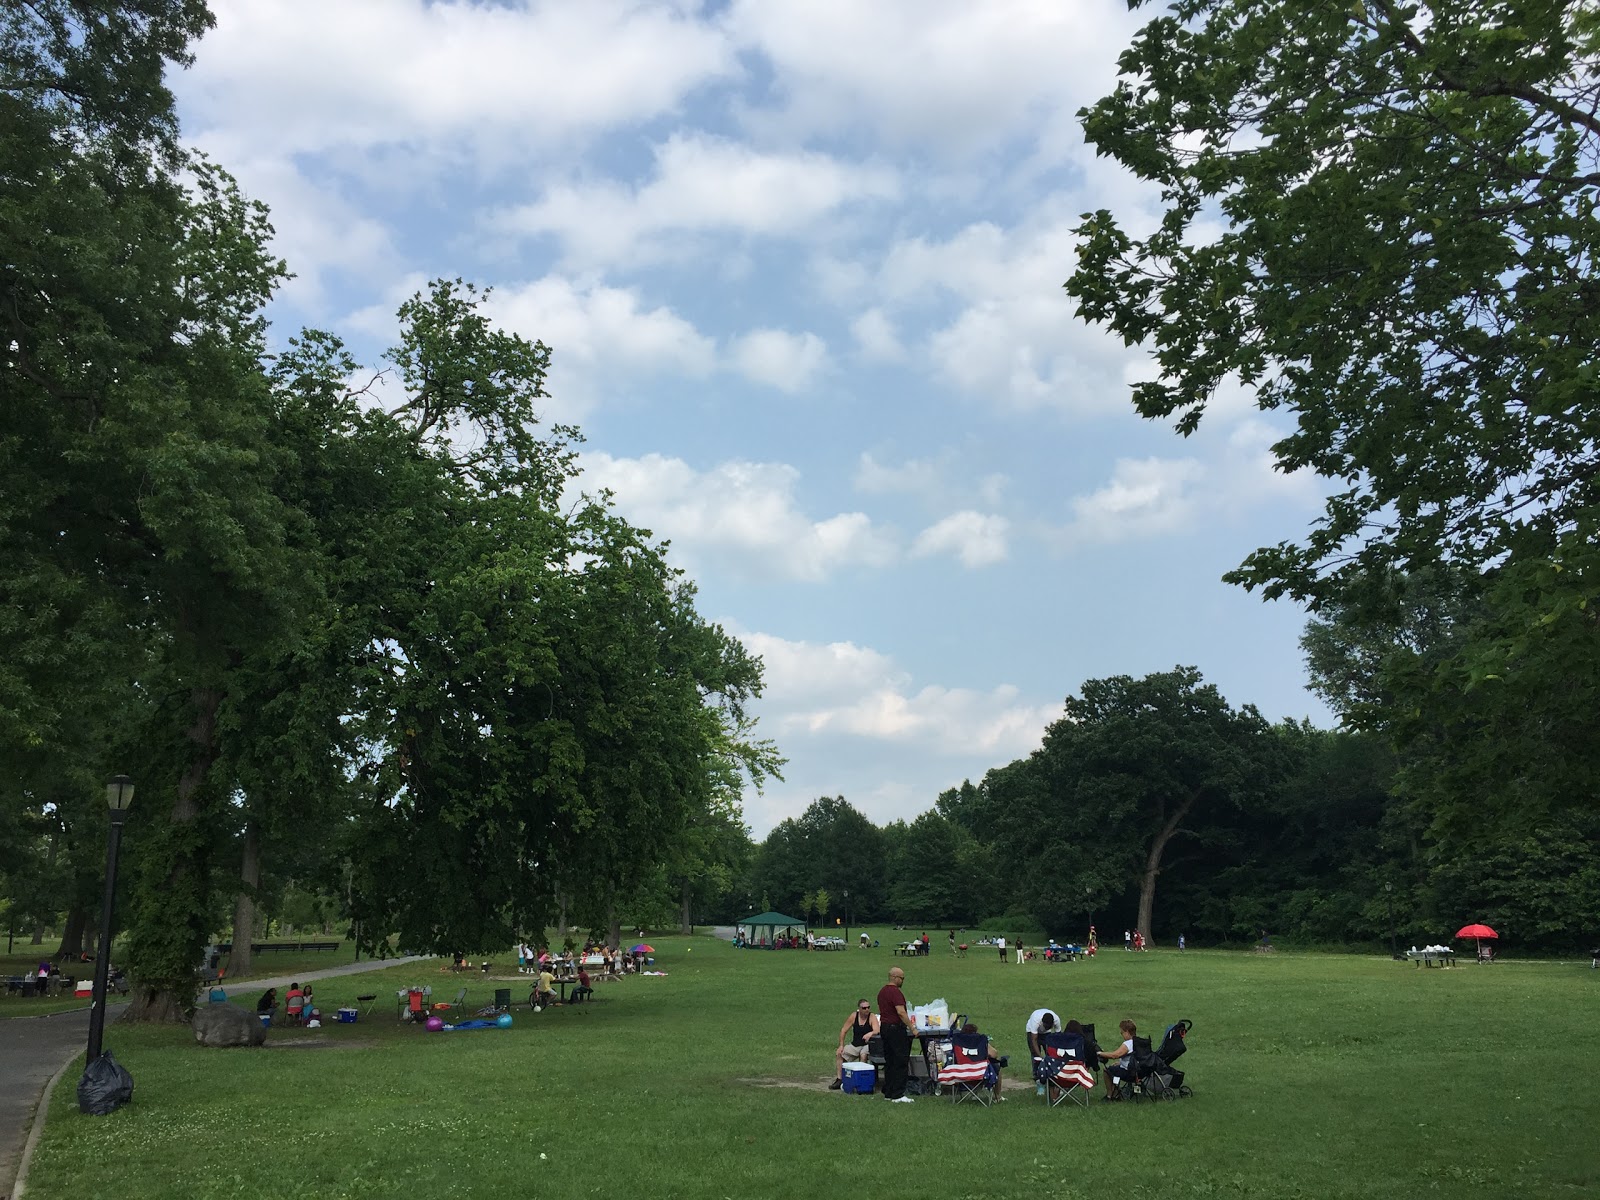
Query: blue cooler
{"x": 346, "y": 1016}
{"x": 858, "y": 1078}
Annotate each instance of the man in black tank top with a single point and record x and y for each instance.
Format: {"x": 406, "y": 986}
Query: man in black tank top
{"x": 859, "y": 1026}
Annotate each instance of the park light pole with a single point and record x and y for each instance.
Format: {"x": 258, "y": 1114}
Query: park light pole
{"x": 847, "y": 918}
{"x": 119, "y": 794}
{"x": 1388, "y": 891}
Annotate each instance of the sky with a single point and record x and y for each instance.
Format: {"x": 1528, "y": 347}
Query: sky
{"x": 799, "y": 263}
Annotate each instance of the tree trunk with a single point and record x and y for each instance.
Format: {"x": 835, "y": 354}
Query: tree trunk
{"x": 688, "y": 926}
{"x": 72, "y": 935}
{"x": 613, "y": 926}
{"x": 38, "y": 933}
{"x": 244, "y": 905}
{"x": 561, "y": 923}
{"x": 1152, "y": 866}
{"x": 175, "y": 920}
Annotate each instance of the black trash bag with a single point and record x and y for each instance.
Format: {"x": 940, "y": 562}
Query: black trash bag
{"x": 105, "y": 1087}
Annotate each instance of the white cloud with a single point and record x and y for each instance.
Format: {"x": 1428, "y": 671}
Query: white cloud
{"x": 917, "y": 476}
{"x": 876, "y": 338}
{"x": 702, "y": 184}
{"x": 937, "y": 482}
{"x": 950, "y": 76}
{"x": 741, "y": 516}
{"x": 1013, "y": 338}
{"x": 787, "y": 361}
{"x": 307, "y": 77}
{"x": 1146, "y": 498}
{"x": 823, "y": 689}
{"x": 977, "y": 539}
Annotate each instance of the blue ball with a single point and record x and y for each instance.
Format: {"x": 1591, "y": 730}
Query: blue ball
{"x": 503, "y": 1020}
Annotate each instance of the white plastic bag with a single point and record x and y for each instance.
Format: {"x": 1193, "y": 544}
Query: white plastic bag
{"x": 933, "y": 1015}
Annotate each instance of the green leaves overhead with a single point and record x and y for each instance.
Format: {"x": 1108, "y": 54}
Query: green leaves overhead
{"x": 1381, "y": 217}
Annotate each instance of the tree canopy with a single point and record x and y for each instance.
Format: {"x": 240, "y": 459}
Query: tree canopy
{"x": 377, "y": 645}
{"x": 1381, "y": 218}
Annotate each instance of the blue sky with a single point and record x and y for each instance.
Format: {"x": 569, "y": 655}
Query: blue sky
{"x": 800, "y": 265}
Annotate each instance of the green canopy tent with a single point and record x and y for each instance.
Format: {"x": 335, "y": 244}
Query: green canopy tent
{"x": 767, "y": 927}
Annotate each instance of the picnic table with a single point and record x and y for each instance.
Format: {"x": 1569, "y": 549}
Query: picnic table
{"x": 1432, "y": 956}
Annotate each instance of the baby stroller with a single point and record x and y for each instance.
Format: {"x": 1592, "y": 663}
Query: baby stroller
{"x": 1172, "y": 1047}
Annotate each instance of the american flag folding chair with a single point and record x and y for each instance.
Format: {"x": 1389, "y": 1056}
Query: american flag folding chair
{"x": 1064, "y": 1069}
{"x": 970, "y": 1075}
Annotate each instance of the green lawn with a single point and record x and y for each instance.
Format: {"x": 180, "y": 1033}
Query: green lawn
{"x": 1315, "y": 1076}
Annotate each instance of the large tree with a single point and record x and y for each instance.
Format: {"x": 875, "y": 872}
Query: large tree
{"x": 1133, "y": 765}
{"x": 1380, "y": 217}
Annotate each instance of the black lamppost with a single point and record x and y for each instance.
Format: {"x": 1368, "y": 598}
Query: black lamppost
{"x": 119, "y": 794}
{"x": 1388, "y": 891}
{"x": 847, "y": 918}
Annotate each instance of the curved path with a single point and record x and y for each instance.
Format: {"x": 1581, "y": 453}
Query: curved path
{"x": 32, "y": 1049}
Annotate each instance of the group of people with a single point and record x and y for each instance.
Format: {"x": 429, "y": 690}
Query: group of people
{"x": 890, "y": 1020}
{"x": 298, "y": 1004}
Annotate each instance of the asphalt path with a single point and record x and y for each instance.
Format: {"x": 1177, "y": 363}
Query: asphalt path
{"x": 32, "y": 1049}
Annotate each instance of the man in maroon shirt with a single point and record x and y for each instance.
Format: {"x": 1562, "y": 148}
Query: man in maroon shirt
{"x": 894, "y": 1024}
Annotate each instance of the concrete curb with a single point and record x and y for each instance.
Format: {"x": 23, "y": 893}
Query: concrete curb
{"x": 37, "y": 1129}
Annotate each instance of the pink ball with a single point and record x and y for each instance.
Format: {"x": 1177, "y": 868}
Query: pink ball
{"x": 435, "y": 1024}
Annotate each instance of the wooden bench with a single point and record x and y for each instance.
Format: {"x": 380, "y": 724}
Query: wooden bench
{"x": 266, "y": 947}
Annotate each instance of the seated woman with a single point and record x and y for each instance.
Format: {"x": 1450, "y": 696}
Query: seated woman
{"x": 268, "y": 1003}
{"x": 1116, "y": 1074}
{"x": 294, "y": 1002}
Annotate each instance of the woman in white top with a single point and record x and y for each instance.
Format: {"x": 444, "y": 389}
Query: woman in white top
{"x": 1115, "y": 1075}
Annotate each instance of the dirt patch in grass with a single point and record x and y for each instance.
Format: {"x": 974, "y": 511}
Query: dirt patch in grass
{"x": 319, "y": 1043}
{"x": 800, "y": 1084}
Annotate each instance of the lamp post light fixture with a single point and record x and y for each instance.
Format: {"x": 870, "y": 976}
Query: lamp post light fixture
{"x": 847, "y": 918}
{"x": 119, "y": 794}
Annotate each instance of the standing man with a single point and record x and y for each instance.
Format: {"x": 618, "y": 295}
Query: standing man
{"x": 1040, "y": 1021}
{"x": 1001, "y": 942}
{"x": 1019, "y": 952}
{"x": 859, "y": 1026}
{"x": 1127, "y": 940}
{"x": 894, "y": 1023}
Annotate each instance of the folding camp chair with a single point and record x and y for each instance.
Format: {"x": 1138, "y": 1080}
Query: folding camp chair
{"x": 1064, "y": 1068}
{"x": 413, "y": 1004}
{"x": 502, "y": 999}
{"x": 368, "y": 1000}
{"x": 970, "y": 1075}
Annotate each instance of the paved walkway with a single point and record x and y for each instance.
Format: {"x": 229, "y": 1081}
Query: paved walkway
{"x": 32, "y": 1049}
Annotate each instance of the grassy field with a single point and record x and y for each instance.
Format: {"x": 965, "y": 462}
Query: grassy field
{"x": 1314, "y": 1076}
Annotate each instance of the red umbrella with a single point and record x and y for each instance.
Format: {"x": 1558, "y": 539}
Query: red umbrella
{"x": 1477, "y": 933}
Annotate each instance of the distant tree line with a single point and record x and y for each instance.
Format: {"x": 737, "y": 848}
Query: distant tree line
{"x": 1153, "y": 804}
